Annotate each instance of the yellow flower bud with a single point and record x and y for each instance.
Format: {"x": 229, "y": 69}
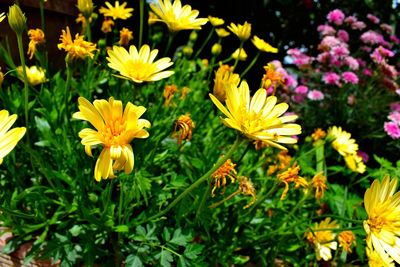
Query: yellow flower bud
{"x": 193, "y": 36}
{"x": 85, "y": 7}
{"x": 216, "y": 49}
{"x": 187, "y": 51}
{"x": 16, "y": 19}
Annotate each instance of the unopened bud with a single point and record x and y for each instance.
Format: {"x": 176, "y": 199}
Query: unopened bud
{"x": 216, "y": 49}
{"x": 193, "y": 36}
{"x": 187, "y": 51}
{"x": 1, "y": 77}
{"x": 16, "y": 19}
{"x": 85, "y": 7}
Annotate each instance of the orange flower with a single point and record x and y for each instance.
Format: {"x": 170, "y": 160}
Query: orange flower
{"x": 125, "y": 35}
{"x": 318, "y": 134}
{"x": 183, "y": 128}
{"x": 107, "y": 24}
{"x": 226, "y": 170}
{"x": 319, "y": 183}
{"x": 169, "y": 91}
{"x": 36, "y": 36}
{"x": 291, "y": 175}
{"x": 346, "y": 240}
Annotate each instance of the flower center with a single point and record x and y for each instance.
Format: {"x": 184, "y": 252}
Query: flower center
{"x": 113, "y": 133}
{"x": 376, "y": 223}
{"x": 139, "y": 70}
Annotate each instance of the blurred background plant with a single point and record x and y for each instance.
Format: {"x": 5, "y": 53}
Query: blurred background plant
{"x": 154, "y": 87}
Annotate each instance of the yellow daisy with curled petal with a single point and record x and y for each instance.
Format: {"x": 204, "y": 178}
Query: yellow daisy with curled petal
{"x": 221, "y": 32}
{"x": 36, "y": 75}
{"x": 239, "y": 53}
{"x": 77, "y": 48}
{"x": 355, "y": 163}
{"x": 115, "y": 129}
{"x": 139, "y": 66}
{"x": 263, "y": 46}
{"x": 9, "y": 138}
{"x": 258, "y": 118}
{"x": 216, "y": 21}
{"x": 224, "y": 76}
{"x": 342, "y": 141}
{"x": 176, "y": 17}
{"x": 241, "y": 31}
{"x": 116, "y": 12}
{"x": 382, "y": 205}
{"x": 323, "y": 240}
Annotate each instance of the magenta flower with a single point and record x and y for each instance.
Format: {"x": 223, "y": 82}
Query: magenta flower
{"x": 336, "y": 16}
{"x": 301, "y": 89}
{"x": 367, "y": 72}
{"x": 363, "y": 155}
{"x": 343, "y": 36}
{"x": 395, "y": 106}
{"x": 373, "y": 19}
{"x": 350, "y": 77}
{"x": 392, "y": 129}
{"x": 331, "y": 78}
{"x": 350, "y": 19}
{"x": 340, "y": 50}
{"x": 394, "y": 116}
{"x": 330, "y": 41}
{"x": 351, "y": 62}
{"x": 372, "y": 37}
{"x": 315, "y": 95}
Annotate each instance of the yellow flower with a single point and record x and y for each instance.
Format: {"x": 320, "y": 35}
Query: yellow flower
{"x": 342, "y": 141}
{"x": 106, "y": 25}
{"x": 36, "y": 36}
{"x": 240, "y": 53}
{"x": 318, "y": 182}
{"x": 125, "y": 35}
{"x": 176, "y": 17}
{"x": 318, "y": 134}
{"x": 291, "y": 175}
{"x": 8, "y": 139}
{"x": 324, "y": 240}
{"x": 355, "y": 163}
{"x": 272, "y": 77}
{"x": 221, "y": 32}
{"x": 2, "y": 16}
{"x": 183, "y": 128}
{"x": 263, "y": 46}
{"x": 382, "y": 205}
{"x": 224, "y": 77}
{"x": 78, "y": 48}
{"x": 138, "y": 66}
{"x": 216, "y": 21}
{"x": 375, "y": 260}
{"x": 258, "y": 118}
{"x": 36, "y": 75}
{"x": 115, "y": 130}
{"x": 241, "y": 31}
{"x": 116, "y": 12}
{"x": 16, "y": 19}
{"x": 346, "y": 240}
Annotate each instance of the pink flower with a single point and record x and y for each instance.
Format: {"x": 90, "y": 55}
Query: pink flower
{"x": 351, "y": 62}
{"x": 394, "y": 116}
{"x": 350, "y": 19}
{"x": 363, "y": 155}
{"x": 395, "y": 106}
{"x": 299, "y": 58}
{"x": 343, "y": 36}
{"x": 336, "y": 16}
{"x": 372, "y": 37}
{"x": 298, "y": 98}
{"x": 330, "y": 41}
{"x": 340, "y": 50}
{"x": 326, "y": 30}
{"x": 323, "y": 57}
{"x": 315, "y": 95}
{"x": 350, "y": 77}
{"x": 331, "y": 78}
{"x": 358, "y": 25}
{"x": 301, "y": 89}
{"x": 387, "y": 28}
{"x": 388, "y": 70}
{"x": 290, "y": 81}
{"x": 373, "y": 19}
{"x": 367, "y": 72}
{"x": 392, "y": 129}
{"x": 394, "y": 39}
{"x": 380, "y": 54}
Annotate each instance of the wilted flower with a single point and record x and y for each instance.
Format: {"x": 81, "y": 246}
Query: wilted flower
{"x": 116, "y": 12}
{"x": 258, "y": 118}
{"x": 219, "y": 176}
{"x": 115, "y": 130}
{"x": 125, "y": 35}
{"x": 176, "y": 17}
{"x": 9, "y": 138}
{"x": 272, "y": 77}
{"x": 183, "y": 128}
{"x": 168, "y": 94}
{"x": 35, "y": 75}
{"x": 382, "y": 226}
{"x": 77, "y": 48}
{"x": 291, "y": 175}
{"x": 138, "y": 66}
{"x": 318, "y": 182}
{"x": 346, "y": 240}
{"x": 324, "y": 240}
{"x": 36, "y": 36}
{"x": 246, "y": 187}
{"x": 107, "y": 24}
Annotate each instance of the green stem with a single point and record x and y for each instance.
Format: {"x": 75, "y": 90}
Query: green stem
{"x": 203, "y": 202}
{"x": 203, "y": 178}
{"x": 204, "y": 43}
{"x": 320, "y": 156}
{"x": 141, "y": 7}
{"x": 26, "y": 84}
{"x": 238, "y": 56}
{"x": 88, "y": 31}
{"x": 171, "y": 36}
{"x": 262, "y": 198}
{"x": 42, "y": 20}
{"x": 250, "y": 65}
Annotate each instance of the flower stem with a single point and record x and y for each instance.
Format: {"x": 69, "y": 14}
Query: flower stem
{"x": 26, "y": 91}
{"x": 42, "y": 20}
{"x": 204, "y": 43}
{"x": 171, "y": 36}
{"x": 141, "y": 8}
{"x": 203, "y": 178}
{"x": 238, "y": 56}
{"x": 250, "y": 65}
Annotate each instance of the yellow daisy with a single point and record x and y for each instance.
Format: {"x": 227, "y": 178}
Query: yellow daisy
{"x": 241, "y": 31}
{"x": 375, "y": 260}
{"x": 216, "y": 21}
{"x": 263, "y": 46}
{"x": 116, "y": 12}
{"x": 36, "y": 75}
{"x": 8, "y": 138}
{"x": 382, "y": 205}
{"x": 258, "y": 118}
{"x": 355, "y": 163}
{"x": 224, "y": 77}
{"x": 138, "y": 66}
{"x": 221, "y": 32}
{"x": 176, "y": 17}
{"x": 342, "y": 141}
{"x": 239, "y": 53}
{"x": 115, "y": 130}
{"x": 324, "y": 240}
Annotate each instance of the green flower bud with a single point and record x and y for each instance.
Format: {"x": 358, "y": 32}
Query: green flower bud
{"x": 216, "y": 49}
{"x": 85, "y": 7}
{"x": 16, "y": 19}
{"x": 187, "y": 51}
{"x": 102, "y": 43}
{"x": 193, "y": 36}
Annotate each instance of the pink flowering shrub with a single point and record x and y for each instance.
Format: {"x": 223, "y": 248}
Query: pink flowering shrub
{"x": 349, "y": 78}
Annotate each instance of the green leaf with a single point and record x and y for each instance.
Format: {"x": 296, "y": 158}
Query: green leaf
{"x": 121, "y": 229}
{"x": 133, "y": 261}
{"x": 179, "y": 239}
{"x": 192, "y": 251}
{"x": 166, "y": 258}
